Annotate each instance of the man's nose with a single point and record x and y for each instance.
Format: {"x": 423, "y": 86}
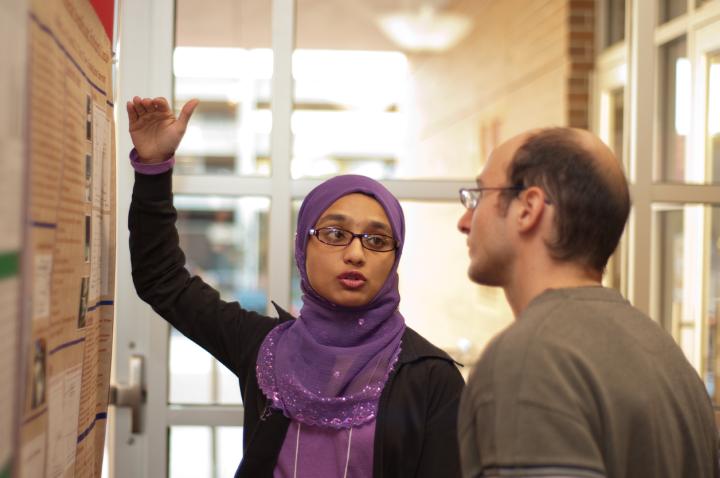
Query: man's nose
{"x": 463, "y": 224}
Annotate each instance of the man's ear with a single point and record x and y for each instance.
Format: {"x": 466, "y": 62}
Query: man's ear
{"x": 532, "y": 206}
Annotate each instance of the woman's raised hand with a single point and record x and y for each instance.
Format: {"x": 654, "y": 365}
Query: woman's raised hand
{"x": 154, "y": 130}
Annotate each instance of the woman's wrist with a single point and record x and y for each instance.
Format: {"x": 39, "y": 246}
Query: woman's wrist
{"x": 150, "y": 168}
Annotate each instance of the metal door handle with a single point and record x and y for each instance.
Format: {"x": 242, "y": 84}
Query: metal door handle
{"x": 133, "y": 394}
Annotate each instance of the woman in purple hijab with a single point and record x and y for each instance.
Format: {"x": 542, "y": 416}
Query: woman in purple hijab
{"x": 346, "y": 389}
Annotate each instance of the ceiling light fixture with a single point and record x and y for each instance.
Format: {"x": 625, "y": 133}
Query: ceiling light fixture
{"x": 425, "y": 30}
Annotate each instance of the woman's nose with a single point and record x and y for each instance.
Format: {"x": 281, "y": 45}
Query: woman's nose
{"x": 354, "y": 252}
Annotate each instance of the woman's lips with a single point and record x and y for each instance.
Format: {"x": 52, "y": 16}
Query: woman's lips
{"x": 352, "y": 279}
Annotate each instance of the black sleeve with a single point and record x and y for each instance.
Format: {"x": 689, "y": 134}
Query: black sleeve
{"x": 440, "y": 455}
{"x": 230, "y": 333}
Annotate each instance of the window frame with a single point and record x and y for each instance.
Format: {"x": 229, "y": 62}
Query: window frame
{"x": 639, "y": 54}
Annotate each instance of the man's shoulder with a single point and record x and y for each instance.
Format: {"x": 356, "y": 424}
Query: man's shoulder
{"x": 500, "y": 362}
{"x": 570, "y": 318}
{"x": 513, "y": 342}
{"x": 556, "y": 327}
{"x": 578, "y": 302}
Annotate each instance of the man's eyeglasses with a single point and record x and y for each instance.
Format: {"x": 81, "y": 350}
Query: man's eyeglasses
{"x": 336, "y": 236}
{"x": 470, "y": 197}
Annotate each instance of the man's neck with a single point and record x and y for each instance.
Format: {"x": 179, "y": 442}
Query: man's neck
{"x": 532, "y": 281}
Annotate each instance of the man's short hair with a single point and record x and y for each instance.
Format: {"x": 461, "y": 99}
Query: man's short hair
{"x": 592, "y": 205}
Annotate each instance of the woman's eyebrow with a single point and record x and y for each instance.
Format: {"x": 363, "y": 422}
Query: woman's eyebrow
{"x": 377, "y": 225}
{"x": 345, "y": 220}
{"x": 341, "y": 218}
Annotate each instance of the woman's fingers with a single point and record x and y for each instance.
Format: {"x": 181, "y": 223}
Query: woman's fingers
{"x": 132, "y": 114}
{"x": 148, "y": 104}
{"x": 160, "y": 104}
{"x": 139, "y": 107}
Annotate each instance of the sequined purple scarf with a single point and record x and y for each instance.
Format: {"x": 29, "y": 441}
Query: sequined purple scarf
{"x": 328, "y": 367}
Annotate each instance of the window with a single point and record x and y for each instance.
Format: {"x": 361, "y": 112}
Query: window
{"x": 673, "y": 241}
{"x": 616, "y": 270}
{"x": 223, "y": 240}
{"x": 671, "y": 249}
{"x": 223, "y": 57}
{"x": 711, "y": 355}
{"x": 349, "y": 113}
{"x": 712, "y": 140}
{"x": 669, "y": 9}
{"x": 204, "y": 452}
{"x": 614, "y": 22}
{"x": 674, "y": 109}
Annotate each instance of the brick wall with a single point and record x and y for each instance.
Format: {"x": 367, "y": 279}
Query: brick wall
{"x": 581, "y": 56}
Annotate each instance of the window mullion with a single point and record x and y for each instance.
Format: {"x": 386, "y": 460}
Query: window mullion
{"x": 685, "y": 193}
{"x": 641, "y": 101}
{"x": 283, "y": 37}
{"x": 403, "y": 189}
{"x": 218, "y": 185}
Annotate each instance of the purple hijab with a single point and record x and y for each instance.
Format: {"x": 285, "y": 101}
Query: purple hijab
{"x": 328, "y": 367}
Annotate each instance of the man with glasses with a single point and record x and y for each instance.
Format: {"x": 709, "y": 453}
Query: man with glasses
{"x": 582, "y": 384}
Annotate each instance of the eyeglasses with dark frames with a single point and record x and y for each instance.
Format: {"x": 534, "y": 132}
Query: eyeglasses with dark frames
{"x": 337, "y": 236}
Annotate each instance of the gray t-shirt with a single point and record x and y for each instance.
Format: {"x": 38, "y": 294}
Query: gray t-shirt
{"x": 583, "y": 384}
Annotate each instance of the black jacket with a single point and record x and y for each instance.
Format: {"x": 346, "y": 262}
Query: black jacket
{"x": 416, "y": 429}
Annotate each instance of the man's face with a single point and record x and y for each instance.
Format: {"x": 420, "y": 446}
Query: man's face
{"x": 350, "y": 275}
{"x": 489, "y": 226}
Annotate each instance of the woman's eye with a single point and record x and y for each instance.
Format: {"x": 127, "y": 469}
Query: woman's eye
{"x": 336, "y": 235}
{"x": 377, "y": 241}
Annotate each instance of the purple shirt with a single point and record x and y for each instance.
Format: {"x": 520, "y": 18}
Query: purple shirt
{"x": 150, "y": 169}
{"x": 322, "y": 452}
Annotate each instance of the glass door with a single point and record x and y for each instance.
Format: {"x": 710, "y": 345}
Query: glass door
{"x": 292, "y": 92}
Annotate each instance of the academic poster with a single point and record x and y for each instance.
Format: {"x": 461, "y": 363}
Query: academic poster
{"x": 68, "y": 263}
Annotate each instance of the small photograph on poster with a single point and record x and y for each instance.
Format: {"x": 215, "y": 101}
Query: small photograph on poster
{"x": 87, "y": 239}
{"x": 83, "y": 307}
{"x": 42, "y": 274}
{"x": 88, "y": 177}
{"x": 38, "y": 374}
{"x": 88, "y": 120}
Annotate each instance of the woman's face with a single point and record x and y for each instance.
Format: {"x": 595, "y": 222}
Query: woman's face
{"x": 350, "y": 275}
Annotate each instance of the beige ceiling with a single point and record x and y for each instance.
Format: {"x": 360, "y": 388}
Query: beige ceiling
{"x": 330, "y": 24}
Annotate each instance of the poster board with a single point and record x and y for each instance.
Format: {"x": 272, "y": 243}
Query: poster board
{"x": 68, "y": 265}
